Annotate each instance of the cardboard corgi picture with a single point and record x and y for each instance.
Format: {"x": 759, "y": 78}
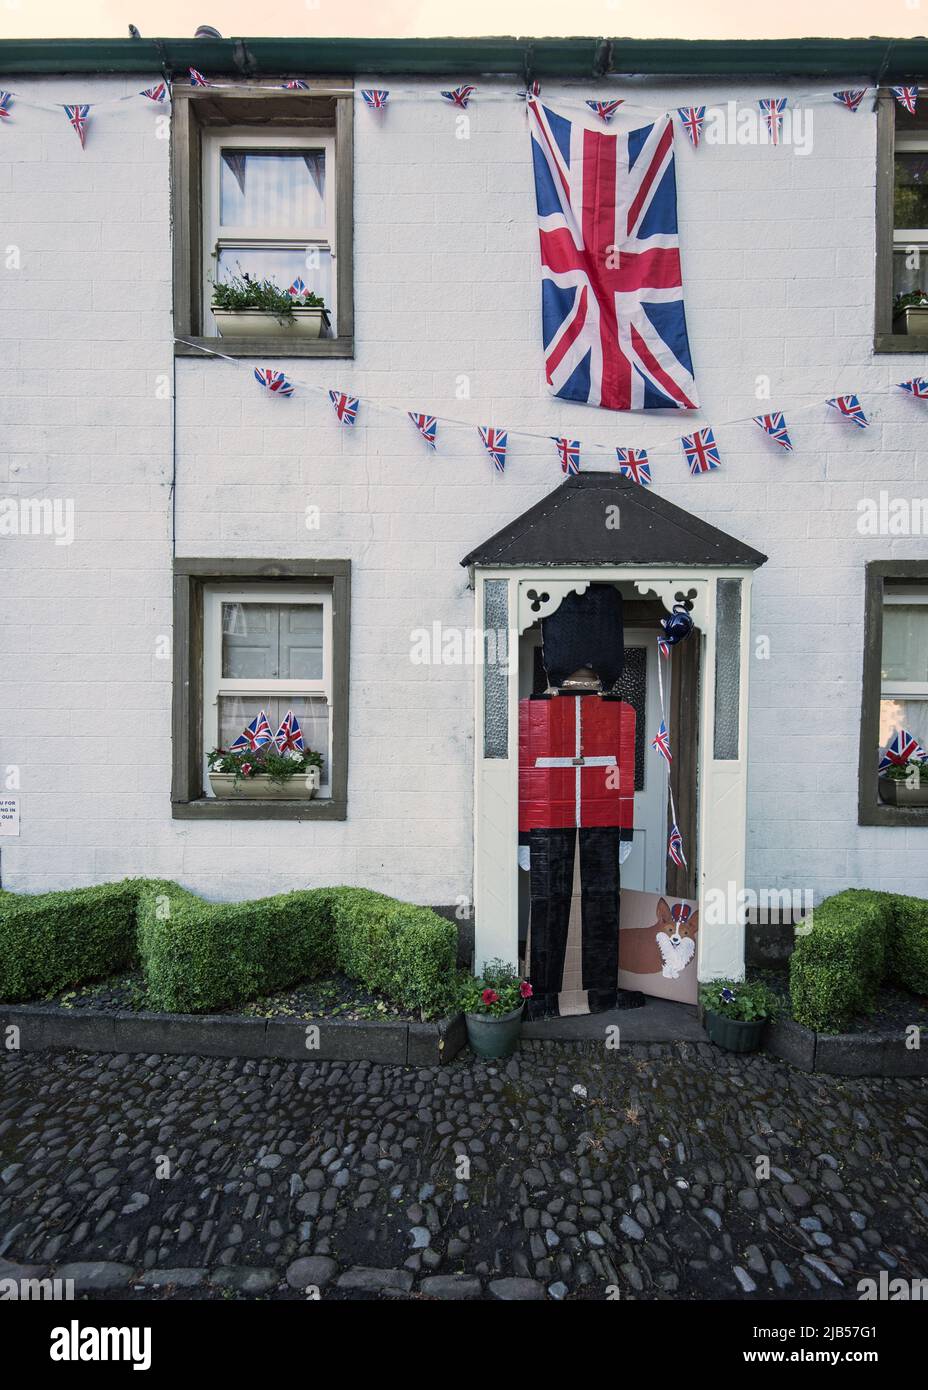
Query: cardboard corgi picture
{"x": 657, "y": 945}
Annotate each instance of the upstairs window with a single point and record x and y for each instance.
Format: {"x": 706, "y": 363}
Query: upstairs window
{"x": 902, "y": 227}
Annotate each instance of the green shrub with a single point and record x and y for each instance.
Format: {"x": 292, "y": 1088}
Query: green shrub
{"x": 197, "y": 955}
{"x": 859, "y": 938}
{"x": 51, "y": 941}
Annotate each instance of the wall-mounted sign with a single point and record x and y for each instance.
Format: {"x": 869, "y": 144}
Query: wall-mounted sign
{"x": 9, "y": 815}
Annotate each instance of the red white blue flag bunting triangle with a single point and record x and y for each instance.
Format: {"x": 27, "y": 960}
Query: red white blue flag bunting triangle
{"x": 460, "y": 96}
{"x": 907, "y": 97}
{"x": 197, "y": 79}
{"x": 851, "y": 97}
{"x": 633, "y": 464}
{"x": 157, "y": 93}
{"x": 375, "y": 97}
{"x": 496, "y": 442}
{"x": 295, "y": 84}
{"x": 675, "y": 847}
{"x": 427, "y": 425}
{"x": 692, "y": 119}
{"x": 605, "y": 110}
{"x": 79, "y": 117}
{"x": 701, "y": 451}
{"x": 851, "y": 408}
{"x": 345, "y": 407}
{"x": 6, "y": 101}
{"x": 661, "y": 743}
{"x": 775, "y": 426}
{"x": 568, "y": 451}
{"x": 273, "y": 381}
{"x": 772, "y": 109}
{"x": 917, "y": 387}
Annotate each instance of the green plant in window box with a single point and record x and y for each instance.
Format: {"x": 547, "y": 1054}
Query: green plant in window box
{"x": 905, "y": 785}
{"x": 246, "y": 307}
{"x": 910, "y": 312}
{"x": 265, "y": 772}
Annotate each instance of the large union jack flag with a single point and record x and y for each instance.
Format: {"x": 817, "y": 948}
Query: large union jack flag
{"x": 612, "y": 291}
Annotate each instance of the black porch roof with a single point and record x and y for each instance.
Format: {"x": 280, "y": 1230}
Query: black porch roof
{"x": 570, "y": 527}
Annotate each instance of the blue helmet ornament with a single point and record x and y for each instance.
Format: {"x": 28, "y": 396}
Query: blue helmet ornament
{"x": 677, "y": 626}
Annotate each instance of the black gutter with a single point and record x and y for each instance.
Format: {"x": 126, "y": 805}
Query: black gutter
{"x": 883, "y": 59}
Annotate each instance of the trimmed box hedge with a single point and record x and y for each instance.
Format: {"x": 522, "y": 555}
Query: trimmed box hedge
{"x": 859, "y": 939}
{"x": 197, "y": 956}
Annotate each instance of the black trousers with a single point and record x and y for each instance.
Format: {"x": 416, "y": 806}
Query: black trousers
{"x": 551, "y": 874}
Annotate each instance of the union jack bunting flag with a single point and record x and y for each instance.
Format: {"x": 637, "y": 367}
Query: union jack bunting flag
{"x": 663, "y": 646}
{"x": 772, "y": 109}
{"x": 917, "y": 387}
{"x": 296, "y": 84}
{"x": 692, "y": 119}
{"x": 289, "y": 737}
{"x": 157, "y": 93}
{"x": 197, "y": 79}
{"x": 633, "y": 464}
{"x": 907, "y": 97}
{"x": 496, "y": 442}
{"x": 661, "y": 743}
{"x": 851, "y": 98}
{"x": 534, "y": 90}
{"x": 701, "y": 450}
{"x": 345, "y": 407}
{"x": 902, "y": 748}
{"x": 375, "y": 97}
{"x": 273, "y": 381}
{"x": 568, "y": 451}
{"x": 298, "y": 288}
{"x": 427, "y": 425}
{"x": 257, "y": 735}
{"x": 675, "y": 848}
{"x": 605, "y": 109}
{"x": 79, "y": 117}
{"x": 6, "y": 101}
{"x": 460, "y": 96}
{"x": 613, "y": 323}
{"x": 775, "y": 426}
{"x": 851, "y": 408}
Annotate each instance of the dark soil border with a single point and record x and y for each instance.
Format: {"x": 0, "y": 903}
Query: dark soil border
{"x": 844, "y": 1054}
{"x": 220, "y": 1035}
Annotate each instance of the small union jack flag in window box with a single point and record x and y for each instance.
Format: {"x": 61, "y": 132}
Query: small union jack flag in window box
{"x": 257, "y": 735}
{"x": 289, "y": 737}
{"x": 701, "y": 451}
{"x": 903, "y": 748}
{"x": 460, "y": 96}
{"x": 633, "y": 464}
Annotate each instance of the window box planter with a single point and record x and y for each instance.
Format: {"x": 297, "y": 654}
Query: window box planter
{"x": 494, "y": 1035}
{"x": 734, "y": 1034}
{"x": 255, "y": 323}
{"x": 302, "y": 787}
{"x": 913, "y": 319}
{"x": 896, "y": 793}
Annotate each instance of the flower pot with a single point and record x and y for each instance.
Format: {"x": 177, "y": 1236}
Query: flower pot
{"x": 255, "y": 323}
{"x": 914, "y": 319}
{"x": 733, "y": 1033}
{"x": 299, "y": 788}
{"x": 496, "y": 1035}
{"x": 896, "y": 793}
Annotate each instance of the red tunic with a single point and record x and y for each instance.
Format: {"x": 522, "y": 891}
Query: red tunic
{"x": 576, "y": 763}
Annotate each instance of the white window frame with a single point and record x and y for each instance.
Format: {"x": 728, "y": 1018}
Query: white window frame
{"x": 915, "y": 141}
{"x": 216, "y": 236}
{"x": 907, "y": 594}
{"x": 216, "y": 685}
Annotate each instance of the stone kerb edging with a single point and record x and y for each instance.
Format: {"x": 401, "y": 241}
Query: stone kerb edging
{"x": 844, "y": 1054}
{"x": 219, "y": 1035}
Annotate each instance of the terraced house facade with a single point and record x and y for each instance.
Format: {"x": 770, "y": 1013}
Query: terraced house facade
{"x": 184, "y": 549}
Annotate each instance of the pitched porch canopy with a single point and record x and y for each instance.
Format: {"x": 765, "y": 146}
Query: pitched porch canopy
{"x": 601, "y": 527}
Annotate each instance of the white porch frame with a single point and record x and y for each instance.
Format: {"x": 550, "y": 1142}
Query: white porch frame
{"x": 722, "y": 783}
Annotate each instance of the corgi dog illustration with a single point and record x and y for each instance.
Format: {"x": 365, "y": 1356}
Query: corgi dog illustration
{"x": 667, "y": 946}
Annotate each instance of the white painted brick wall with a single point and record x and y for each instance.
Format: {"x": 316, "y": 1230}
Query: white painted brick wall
{"x": 778, "y": 255}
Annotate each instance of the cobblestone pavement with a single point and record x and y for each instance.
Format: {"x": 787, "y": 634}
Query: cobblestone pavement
{"x": 565, "y": 1173}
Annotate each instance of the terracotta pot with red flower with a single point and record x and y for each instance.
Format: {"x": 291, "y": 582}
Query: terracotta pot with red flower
{"x": 493, "y": 1004}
